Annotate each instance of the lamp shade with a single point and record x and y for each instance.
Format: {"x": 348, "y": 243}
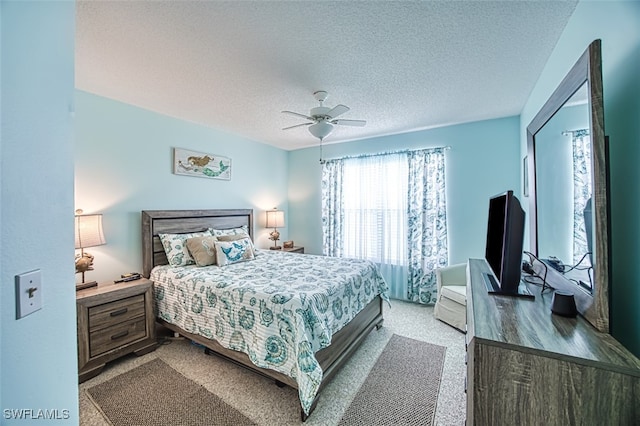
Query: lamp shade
{"x": 89, "y": 231}
{"x": 275, "y": 219}
{"x": 321, "y": 129}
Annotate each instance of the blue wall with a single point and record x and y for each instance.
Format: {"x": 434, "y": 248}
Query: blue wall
{"x": 38, "y": 367}
{"x": 484, "y": 160}
{"x": 617, "y": 24}
{"x": 123, "y": 164}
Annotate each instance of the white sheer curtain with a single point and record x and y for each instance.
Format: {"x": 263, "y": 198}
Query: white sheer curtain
{"x": 375, "y": 206}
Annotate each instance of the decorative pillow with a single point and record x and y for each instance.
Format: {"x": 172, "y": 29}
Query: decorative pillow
{"x": 228, "y": 252}
{"x": 176, "y": 249}
{"x": 203, "y": 250}
{"x": 231, "y": 231}
{"x": 237, "y": 237}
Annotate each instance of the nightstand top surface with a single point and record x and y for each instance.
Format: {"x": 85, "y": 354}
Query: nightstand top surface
{"x": 294, "y": 248}
{"x": 109, "y": 286}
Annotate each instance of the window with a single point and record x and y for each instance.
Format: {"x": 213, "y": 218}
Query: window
{"x": 375, "y": 208}
{"x": 389, "y": 209}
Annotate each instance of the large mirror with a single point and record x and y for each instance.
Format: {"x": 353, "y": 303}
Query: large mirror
{"x": 567, "y": 166}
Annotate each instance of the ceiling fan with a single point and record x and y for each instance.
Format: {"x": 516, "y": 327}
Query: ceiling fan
{"x": 322, "y": 118}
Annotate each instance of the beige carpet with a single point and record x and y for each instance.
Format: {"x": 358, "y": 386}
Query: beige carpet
{"x": 264, "y": 403}
{"x": 156, "y": 394}
{"x": 402, "y": 387}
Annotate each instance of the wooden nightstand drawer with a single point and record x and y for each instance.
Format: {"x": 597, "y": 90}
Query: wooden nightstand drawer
{"x": 114, "y": 337}
{"x": 108, "y": 314}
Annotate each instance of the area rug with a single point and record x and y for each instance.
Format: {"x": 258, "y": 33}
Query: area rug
{"x": 156, "y": 394}
{"x": 402, "y": 387}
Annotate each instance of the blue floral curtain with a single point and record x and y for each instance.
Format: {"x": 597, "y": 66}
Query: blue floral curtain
{"x": 427, "y": 216}
{"x": 332, "y": 208}
{"x": 410, "y": 268}
{"x": 581, "y": 143}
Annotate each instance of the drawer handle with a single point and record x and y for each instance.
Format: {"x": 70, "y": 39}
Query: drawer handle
{"x": 119, "y": 312}
{"x": 119, "y": 335}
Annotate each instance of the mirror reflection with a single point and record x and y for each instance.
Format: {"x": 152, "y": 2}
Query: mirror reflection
{"x": 564, "y": 189}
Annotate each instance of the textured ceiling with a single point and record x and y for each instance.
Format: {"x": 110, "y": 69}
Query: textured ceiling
{"x": 401, "y": 66}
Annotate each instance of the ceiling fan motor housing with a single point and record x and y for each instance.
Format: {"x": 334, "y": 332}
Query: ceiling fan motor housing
{"x": 320, "y": 113}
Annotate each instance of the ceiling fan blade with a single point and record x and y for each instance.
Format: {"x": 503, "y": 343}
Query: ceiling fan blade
{"x": 337, "y": 110}
{"x": 357, "y": 123}
{"x": 297, "y": 114}
{"x": 297, "y": 125}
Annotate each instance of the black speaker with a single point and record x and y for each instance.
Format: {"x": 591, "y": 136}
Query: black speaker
{"x": 564, "y": 304}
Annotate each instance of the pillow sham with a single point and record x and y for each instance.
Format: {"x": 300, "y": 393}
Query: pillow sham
{"x": 203, "y": 250}
{"x": 176, "y": 249}
{"x": 231, "y": 231}
{"x": 229, "y": 252}
{"x": 231, "y": 237}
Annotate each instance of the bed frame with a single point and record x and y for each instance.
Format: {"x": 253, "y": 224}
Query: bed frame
{"x": 343, "y": 344}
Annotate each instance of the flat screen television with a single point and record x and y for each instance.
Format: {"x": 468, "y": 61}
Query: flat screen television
{"x": 505, "y": 238}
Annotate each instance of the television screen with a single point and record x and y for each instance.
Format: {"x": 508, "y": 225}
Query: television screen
{"x": 495, "y": 233}
{"x": 505, "y": 235}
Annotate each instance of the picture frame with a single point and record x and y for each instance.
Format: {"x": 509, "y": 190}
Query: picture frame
{"x": 200, "y": 164}
{"x": 525, "y": 176}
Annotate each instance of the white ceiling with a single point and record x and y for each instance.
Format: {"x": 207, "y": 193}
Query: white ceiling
{"x": 235, "y": 65}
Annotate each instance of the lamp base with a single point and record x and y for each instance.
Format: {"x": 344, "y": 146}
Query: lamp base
{"x": 275, "y": 248}
{"x": 82, "y": 286}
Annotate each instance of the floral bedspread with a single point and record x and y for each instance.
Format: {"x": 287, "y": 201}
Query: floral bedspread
{"x": 279, "y": 309}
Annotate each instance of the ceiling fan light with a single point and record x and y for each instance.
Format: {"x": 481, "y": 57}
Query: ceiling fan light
{"x": 321, "y": 129}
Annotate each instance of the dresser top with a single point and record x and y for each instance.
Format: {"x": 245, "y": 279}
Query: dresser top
{"x": 529, "y": 326}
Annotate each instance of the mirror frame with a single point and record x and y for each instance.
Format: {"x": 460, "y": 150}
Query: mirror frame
{"x": 593, "y": 307}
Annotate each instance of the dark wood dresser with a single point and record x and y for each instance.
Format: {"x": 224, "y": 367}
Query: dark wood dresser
{"x": 527, "y": 366}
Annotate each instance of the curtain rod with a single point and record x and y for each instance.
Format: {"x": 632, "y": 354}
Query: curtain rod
{"x": 401, "y": 151}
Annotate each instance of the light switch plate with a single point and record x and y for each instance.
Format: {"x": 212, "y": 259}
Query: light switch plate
{"x": 28, "y": 293}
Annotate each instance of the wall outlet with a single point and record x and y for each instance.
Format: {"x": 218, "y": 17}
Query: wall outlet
{"x": 28, "y": 293}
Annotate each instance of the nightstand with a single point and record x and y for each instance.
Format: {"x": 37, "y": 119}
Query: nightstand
{"x": 298, "y": 249}
{"x": 113, "y": 320}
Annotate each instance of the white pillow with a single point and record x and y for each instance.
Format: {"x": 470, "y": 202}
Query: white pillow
{"x": 175, "y": 247}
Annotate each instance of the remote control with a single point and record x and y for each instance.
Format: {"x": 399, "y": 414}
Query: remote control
{"x": 127, "y": 279}
{"x": 130, "y": 274}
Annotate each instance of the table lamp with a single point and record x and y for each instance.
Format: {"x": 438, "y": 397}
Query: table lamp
{"x": 275, "y": 220}
{"x": 88, "y": 234}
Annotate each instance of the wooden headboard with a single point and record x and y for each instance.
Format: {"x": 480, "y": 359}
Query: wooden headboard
{"x": 156, "y": 222}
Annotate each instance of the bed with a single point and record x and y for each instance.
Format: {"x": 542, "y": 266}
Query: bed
{"x": 283, "y": 315}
